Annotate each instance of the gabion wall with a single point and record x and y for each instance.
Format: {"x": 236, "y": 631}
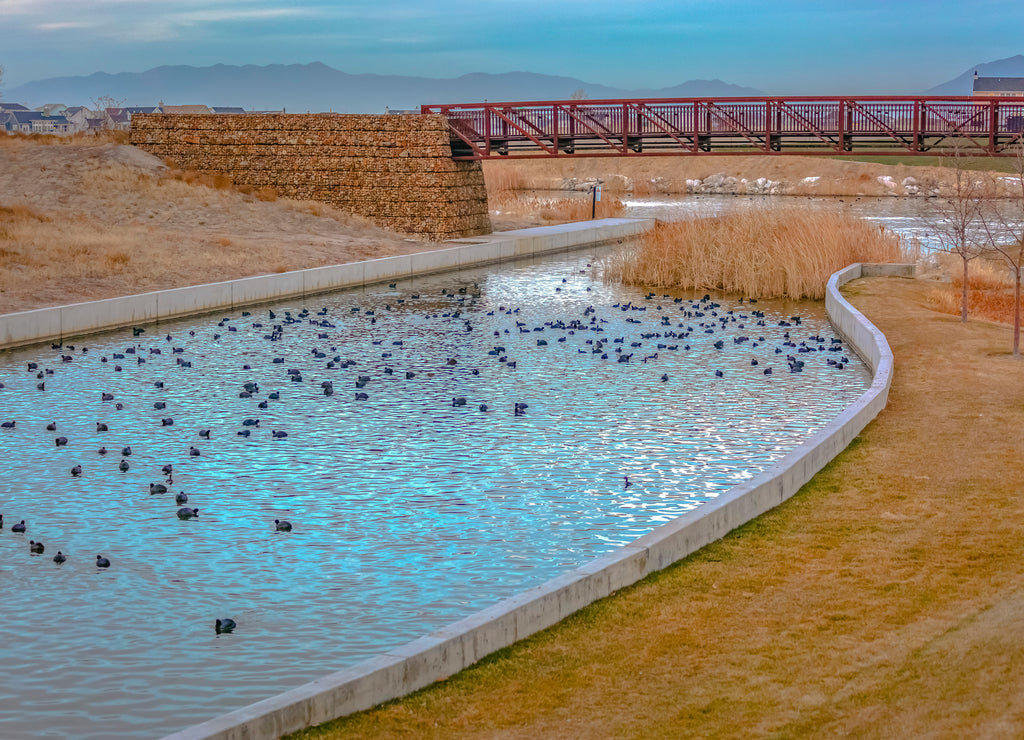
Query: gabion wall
{"x": 394, "y": 169}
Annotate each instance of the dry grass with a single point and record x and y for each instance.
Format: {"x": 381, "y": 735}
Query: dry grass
{"x": 504, "y": 180}
{"x": 509, "y": 200}
{"x": 989, "y": 293}
{"x": 99, "y": 138}
{"x": 513, "y": 205}
{"x": 82, "y": 222}
{"x": 886, "y": 599}
{"x": 767, "y": 253}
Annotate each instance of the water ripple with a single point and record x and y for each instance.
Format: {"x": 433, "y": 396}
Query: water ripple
{"x": 409, "y": 512}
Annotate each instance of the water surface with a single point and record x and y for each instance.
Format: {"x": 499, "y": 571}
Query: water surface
{"x": 409, "y": 512}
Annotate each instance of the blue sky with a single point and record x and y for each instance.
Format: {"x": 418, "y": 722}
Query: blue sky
{"x": 782, "y": 47}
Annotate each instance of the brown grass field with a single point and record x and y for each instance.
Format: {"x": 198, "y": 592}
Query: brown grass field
{"x": 884, "y": 600}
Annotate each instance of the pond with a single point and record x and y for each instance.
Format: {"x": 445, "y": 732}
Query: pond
{"x": 409, "y": 507}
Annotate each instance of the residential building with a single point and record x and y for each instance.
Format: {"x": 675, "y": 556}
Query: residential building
{"x": 33, "y": 122}
{"x": 998, "y": 87}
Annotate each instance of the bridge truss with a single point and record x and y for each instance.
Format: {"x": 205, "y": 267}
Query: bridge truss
{"x": 694, "y": 126}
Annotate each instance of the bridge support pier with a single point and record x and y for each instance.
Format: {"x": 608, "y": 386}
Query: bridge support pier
{"x": 396, "y": 170}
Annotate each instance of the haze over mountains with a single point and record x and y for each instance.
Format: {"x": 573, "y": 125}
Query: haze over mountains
{"x": 317, "y": 87}
{"x": 964, "y": 84}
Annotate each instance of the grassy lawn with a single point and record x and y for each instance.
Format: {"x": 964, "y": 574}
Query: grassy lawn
{"x": 886, "y": 599}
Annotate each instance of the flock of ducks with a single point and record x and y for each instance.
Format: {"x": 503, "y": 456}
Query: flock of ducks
{"x": 669, "y": 325}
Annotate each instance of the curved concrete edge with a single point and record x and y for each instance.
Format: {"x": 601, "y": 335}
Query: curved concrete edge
{"x": 62, "y": 322}
{"x": 448, "y": 650}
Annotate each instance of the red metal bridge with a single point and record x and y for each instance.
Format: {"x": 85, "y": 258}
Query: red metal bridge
{"x": 872, "y": 125}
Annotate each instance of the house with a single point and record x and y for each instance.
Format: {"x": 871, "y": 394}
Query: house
{"x": 118, "y": 119}
{"x": 220, "y": 110}
{"x": 12, "y": 107}
{"x": 79, "y": 116}
{"x": 121, "y": 118}
{"x": 33, "y": 122}
{"x": 998, "y": 87}
{"x": 187, "y": 110}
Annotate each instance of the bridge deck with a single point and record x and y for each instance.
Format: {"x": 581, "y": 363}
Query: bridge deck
{"x": 694, "y": 126}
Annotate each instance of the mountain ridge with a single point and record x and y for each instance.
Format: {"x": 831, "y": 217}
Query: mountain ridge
{"x": 318, "y": 87}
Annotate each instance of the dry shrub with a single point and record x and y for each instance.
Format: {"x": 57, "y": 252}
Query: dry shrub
{"x": 769, "y": 253}
{"x": 557, "y": 210}
{"x": 212, "y": 180}
{"x": 224, "y": 241}
{"x": 641, "y": 188}
{"x": 267, "y": 194}
{"x": 505, "y": 179}
{"x": 118, "y": 259}
{"x": 98, "y": 138}
{"x": 989, "y": 293}
{"x": 21, "y": 212}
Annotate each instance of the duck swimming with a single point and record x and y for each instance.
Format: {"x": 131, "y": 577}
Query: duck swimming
{"x": 187, "y": 513}
{"x": 102, "y": 562}
{"x": 282, "y": 525}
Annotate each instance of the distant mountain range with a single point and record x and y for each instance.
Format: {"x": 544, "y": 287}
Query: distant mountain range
{"x": 316, "y": 87}
{"x": 964, "y": 84}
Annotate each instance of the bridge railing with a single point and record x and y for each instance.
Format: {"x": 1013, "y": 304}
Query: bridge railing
{"x": 775, "y": 125}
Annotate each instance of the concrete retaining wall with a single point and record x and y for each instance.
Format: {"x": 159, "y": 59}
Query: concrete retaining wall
{"x": 395, "y": 170}
{"x": 449, "y": 650}
{"x": 62, "y": 322}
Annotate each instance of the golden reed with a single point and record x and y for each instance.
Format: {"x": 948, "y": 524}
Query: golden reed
{"x": 770, "y": 253}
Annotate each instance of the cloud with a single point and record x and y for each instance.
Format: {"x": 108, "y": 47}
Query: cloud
{"x": 63, "y": 26}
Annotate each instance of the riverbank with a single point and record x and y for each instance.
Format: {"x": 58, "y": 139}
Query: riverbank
{"x": 882, "y": 600}
{"x": 732, "y": 175}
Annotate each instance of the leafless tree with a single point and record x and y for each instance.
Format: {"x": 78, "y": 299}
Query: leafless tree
{"x": 1004, "y": 227}
{"x": 579, "y": 94}
{"x": 957, "y": 221}
{"x": 101, "y": 103}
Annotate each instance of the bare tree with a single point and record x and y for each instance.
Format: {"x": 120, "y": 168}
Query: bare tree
{"x": 957, "y": 221}
{"x": 1004, "y": 227}
{"x": 579, "y": 94}
{"x": 101, "y": 103}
